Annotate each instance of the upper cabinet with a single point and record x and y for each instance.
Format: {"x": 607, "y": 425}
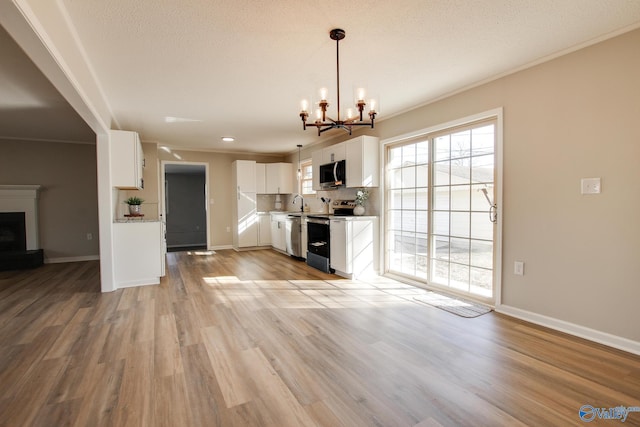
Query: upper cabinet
{"x": 361, "y": 157}
{"x": 334, "y": 153}
{"x": 277, "y": 178}
{"x": 261, "y": 182}
{"x": 127, "y": 160}
{"x": 245, "y": 176}
{"x": 362, "y": 161}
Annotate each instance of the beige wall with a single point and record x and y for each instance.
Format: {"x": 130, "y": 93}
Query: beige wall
{"x": 68, "y": 204}
{"x": 219, "y": 185}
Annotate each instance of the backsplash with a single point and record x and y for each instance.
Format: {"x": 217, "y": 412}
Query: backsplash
{"x": 316, "y": 205}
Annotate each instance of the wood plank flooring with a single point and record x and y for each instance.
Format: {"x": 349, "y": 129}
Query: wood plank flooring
{"x": 259, "y": 339}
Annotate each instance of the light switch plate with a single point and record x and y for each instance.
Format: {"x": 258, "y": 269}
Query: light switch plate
{"x": 590, "y": 185}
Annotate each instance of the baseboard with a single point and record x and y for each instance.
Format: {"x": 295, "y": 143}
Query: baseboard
{"x": 71, "y": 259}
{"x": 605, "y": 338}
{"x": 141, "y": 282}
{"x": 221, "y": 247}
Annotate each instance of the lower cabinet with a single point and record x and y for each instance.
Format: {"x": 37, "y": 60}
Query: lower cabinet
{"x": 264, "y": 229}
{"x": 353, "y": 246}
{"x": 138, "y": 253}
{"x": 278, "y": 231}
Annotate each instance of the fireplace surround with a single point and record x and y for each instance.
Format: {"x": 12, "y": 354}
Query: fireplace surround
{"x": 19, "y": 243}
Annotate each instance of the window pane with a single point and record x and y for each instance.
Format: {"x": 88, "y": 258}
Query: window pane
{"x": 483, "y": 140}
{"x": 460, "y": 197}
{"x": 440, "y": 248}
{"x": 481, "y": 226}
{"x": 479, "y": 202}
{"x": 395, "y": 157}
{"x": 460, "y": 171}
{"x": 408, "y": 221}
{"x": 408, "y": 177}
{"x": 460, "y": 224}
{"x": 409, "y": 199}
{"x": 482, "y": 169}
{"x": 395, "y": 219}
{"x": 422, "y": 176}
{"x": 482, "y": 254}
{"x": 441, "y": 223}
{"x": 409, "y": 155}
{"x": 422, "y": 199}
{"x": 461, "y": 144}
{"x": 395, "y": 178}
{"x": 442, "y": 173}
{"x": 441, "y": 147}
{"x": 441, "y": 198}
{"x": 395, "y": 199}
{"x": 422, "y": 152}
{"x": 422, "y": 221}
{"x": 459, "y": 250}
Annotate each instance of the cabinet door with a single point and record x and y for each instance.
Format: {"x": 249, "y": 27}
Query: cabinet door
{"x": 334, "y": 153}
{"x": 264, "y": 235}
{"x": 247, "y": 216}
{"x": 338, "y": 241}
{"x": 363, "y": 162}
{"x": 246, "y": 176}
{"x": 126, "y": 160}
{"x": 279, "y": 178}
{"x": 261, "y": 175}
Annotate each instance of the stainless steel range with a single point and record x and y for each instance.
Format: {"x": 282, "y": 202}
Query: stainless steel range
{"x": 318, "y": 250}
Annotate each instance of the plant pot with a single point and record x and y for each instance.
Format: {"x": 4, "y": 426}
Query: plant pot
{"x": 134, "y": 209}
{"x": 358, "y": 210}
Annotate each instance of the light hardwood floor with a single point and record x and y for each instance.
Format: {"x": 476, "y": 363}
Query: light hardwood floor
{"x": 259, "y": 339}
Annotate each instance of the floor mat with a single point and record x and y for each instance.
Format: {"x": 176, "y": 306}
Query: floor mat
{"x": 453, "y": 305}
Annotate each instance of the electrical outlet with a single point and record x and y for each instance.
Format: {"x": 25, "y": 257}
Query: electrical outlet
{"x": 89, "y": 236}
{"x": 518, "y": 268}
{"x": 228, "y": 229}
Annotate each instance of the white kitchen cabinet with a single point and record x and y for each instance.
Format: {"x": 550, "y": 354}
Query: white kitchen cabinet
{"x": 138, "y": 255}
{"x": 245, "y": 176}
{"x": 127, "y": 160}
{"x": 353, "y": 246}
{"x": 334, "y": 153}
{"x": 261, "y": 178}
{"x": 279, "y": 178}
{"x": 264, "y": 229}
{"x": 278, "y": 231}
{"x": 244, "y": 207}
{"x": 363, "y": 166}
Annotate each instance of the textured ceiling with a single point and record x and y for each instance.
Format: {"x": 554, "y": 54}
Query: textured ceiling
{"x": 240, "y": 67}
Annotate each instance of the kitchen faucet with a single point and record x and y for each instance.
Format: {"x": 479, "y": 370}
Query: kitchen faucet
{"x": 301, "y": 201}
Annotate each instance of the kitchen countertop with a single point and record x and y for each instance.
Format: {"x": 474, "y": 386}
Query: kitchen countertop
{"x": 322, "y": 215}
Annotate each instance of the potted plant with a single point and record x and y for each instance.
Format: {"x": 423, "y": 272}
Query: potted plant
{"x": 361, "y": 196}
{"x": 134, "y": 205}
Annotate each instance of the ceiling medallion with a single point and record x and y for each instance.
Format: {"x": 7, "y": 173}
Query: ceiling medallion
{"x": 324, "y": 123}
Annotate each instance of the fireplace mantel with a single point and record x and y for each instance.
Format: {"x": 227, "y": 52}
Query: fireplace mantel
{"x": 23, "y": 198}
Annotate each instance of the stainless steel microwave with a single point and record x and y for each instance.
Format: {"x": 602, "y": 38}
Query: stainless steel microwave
{"x": 333, "y": 175}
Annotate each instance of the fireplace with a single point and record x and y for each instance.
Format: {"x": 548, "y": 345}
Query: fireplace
{"x": 19, "y": 244}
{"x": 13, "y": 234}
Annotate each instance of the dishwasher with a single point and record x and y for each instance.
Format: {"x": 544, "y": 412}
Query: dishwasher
{"x": 294, "y": 235}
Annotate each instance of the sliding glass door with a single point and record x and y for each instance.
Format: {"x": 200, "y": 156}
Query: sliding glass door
{"x": 440, "y": 208}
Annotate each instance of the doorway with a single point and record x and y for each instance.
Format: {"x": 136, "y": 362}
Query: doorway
{"x": 442, "y": 224}
{"x": 185, "y": 205}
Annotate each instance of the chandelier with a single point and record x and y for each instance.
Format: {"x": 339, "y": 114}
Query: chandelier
{"x": 325, "y": 123}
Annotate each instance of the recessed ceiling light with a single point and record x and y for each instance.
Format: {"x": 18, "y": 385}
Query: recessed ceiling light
{"x": 228, "y": 139}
